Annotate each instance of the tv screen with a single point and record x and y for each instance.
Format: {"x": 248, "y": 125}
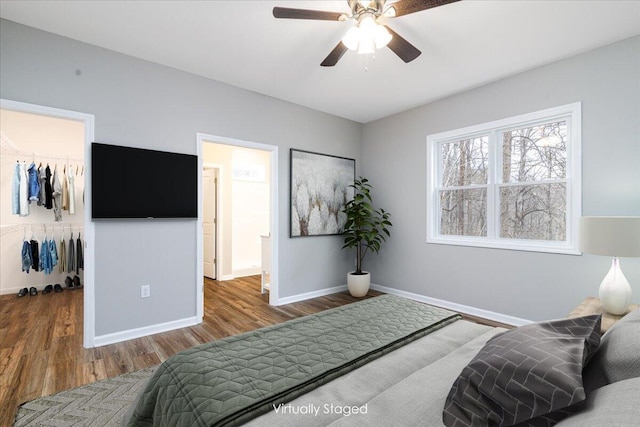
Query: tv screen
{"x": 131, "y": 182}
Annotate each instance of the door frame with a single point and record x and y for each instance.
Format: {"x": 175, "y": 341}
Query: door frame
{"x": 201, "y": 139}
{"x": 89, "y": 307}
{"x": 219, "y": 220}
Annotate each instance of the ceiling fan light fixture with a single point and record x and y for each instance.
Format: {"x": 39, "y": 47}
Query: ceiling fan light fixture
{"x": 367, "y": 45}
{"x": 366, "y": 36}
{"x": 381, "y": 36}
{"x": 352, "y": 39}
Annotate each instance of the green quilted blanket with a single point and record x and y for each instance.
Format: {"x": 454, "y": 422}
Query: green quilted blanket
{"x": 232, "y": 380}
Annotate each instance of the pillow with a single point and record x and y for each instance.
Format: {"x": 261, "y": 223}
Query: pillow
{"x": 616, "y": 404}
{"x": 525, "y": 373}
{"x": 618, "y": 356}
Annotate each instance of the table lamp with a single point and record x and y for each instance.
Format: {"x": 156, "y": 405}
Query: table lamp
{"x": 615, "y": 236}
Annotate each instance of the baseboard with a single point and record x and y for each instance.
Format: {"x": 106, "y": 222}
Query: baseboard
{"x": 130, "y": 334}
{"x": 244, "y": 272}
{"x": 460, "y": 308}
{"x": 309, "y": 295}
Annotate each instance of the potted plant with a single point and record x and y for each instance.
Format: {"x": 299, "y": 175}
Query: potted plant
{"x": 365, "y": 229}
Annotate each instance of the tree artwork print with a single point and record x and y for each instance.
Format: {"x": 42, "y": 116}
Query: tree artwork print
{"x": 320, "y": 188}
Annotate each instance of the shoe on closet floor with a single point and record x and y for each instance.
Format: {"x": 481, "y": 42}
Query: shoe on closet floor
{"x": 76, "y": 282}
{"x": 23, "y": 292}
{"x": 33, "y": 291}
{"x": 47, "y": 289}
{"x": 57, "y": 288}
{"x": 69, "y": 282}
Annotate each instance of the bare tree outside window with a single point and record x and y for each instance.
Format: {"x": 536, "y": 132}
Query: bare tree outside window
{"x": 463, "y": 205}
{"x": 535, "y": 158}
{"x": 513, "y": 183}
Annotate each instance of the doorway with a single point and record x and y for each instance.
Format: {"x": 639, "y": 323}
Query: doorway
{"x": 244, "y": 175}
{"x": 59, "y": 139}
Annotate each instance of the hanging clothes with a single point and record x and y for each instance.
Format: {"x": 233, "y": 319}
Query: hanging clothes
{"x": 41, "y": 179}
{"x": 45, "y": 258}
{"x": 65, "y": 190}
{"x": 72, "y": 194}
{"x": 79, "y": 255}
{"x": 53, "y": 252}
{"x": 15, "y": 191}
{"x": 34, "y": 183}
{"x": 57, "y": 195}
{"x": 24, "y": 190}
{"x": 35, "y": 255}
{"x": 71, "y": 259}
{"x": 62, "y": 265}
{"x": 48, "y": 190}
{"x": 26, "y": 256}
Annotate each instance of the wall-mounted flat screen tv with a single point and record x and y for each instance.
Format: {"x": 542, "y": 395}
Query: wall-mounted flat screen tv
{"x": 131, "y": 182}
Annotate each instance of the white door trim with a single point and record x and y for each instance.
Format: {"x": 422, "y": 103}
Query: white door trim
{"x": 201, "y": 138}
{"x": 89, "y": 232}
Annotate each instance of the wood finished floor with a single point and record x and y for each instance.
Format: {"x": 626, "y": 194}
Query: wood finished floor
{"x": 41, "y": 349}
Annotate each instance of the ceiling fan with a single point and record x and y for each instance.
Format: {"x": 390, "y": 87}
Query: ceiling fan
{"x": 368, "y": 33}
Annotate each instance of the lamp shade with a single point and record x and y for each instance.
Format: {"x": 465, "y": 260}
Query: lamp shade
{"x": 615, "y": 236}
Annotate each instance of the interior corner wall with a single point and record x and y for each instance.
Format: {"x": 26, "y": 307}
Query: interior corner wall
{"x": 141, "y": 104}
{"x": 527, "y": 285}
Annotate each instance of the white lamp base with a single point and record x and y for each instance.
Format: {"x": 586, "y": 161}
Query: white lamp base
{"x": 615, "y": 291}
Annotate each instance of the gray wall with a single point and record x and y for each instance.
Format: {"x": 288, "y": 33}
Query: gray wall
{"x": 523, "y": 284}
{"x": 140, "y": 104}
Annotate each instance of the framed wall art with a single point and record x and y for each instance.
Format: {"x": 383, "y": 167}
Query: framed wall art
{"x": 319, "y": 191}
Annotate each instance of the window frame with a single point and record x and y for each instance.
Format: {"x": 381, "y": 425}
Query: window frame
{"x": 573, "y": 178}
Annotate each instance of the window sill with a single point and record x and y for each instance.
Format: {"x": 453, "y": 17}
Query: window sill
{"x": 515, "y": 245}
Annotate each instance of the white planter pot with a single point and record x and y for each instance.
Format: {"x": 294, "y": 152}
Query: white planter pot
{"x": 358, "y": 284}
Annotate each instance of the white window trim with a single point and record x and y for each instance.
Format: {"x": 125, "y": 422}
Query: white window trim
{"x": 573, "y": 179}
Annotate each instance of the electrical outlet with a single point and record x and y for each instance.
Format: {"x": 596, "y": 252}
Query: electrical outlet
{"x": 145, "y": 291}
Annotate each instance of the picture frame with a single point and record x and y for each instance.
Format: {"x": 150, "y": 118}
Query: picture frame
{"x": 320, "y": 188}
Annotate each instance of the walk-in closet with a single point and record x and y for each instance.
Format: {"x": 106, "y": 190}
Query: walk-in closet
{"x": 42, "y": 209}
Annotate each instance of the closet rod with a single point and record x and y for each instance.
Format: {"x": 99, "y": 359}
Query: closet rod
{"x": 36, "y": 156}
{"x": 9, "y": 228}
{"x": 8, "y": 147}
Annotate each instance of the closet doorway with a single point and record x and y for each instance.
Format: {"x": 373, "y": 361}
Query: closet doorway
{"x": 56, "y": 143}
{"x": 245, "y": 191}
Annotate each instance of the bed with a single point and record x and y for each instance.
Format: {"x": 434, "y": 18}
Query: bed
{"x": 392, "y": 361}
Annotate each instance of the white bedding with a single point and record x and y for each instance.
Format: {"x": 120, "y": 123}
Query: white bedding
{"x": 407, "y": 387}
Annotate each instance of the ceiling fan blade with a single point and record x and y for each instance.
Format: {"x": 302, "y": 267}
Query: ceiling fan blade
{"x": 335, "y": 55}
{"x": 285, "y": 12}
{"x": 405, "y": 7}
{"x": 405, "y": 50}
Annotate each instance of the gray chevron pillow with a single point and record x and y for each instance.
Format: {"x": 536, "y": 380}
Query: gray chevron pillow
{"x": 531, "y": 375}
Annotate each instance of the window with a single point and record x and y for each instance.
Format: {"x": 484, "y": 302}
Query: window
{"x": 510, "y": 184}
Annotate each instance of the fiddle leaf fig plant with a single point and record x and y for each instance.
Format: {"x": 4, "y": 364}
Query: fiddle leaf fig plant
{"x": 366, "y": 228}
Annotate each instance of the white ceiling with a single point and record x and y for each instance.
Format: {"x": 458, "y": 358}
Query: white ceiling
{"x": 464, "y": 44}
